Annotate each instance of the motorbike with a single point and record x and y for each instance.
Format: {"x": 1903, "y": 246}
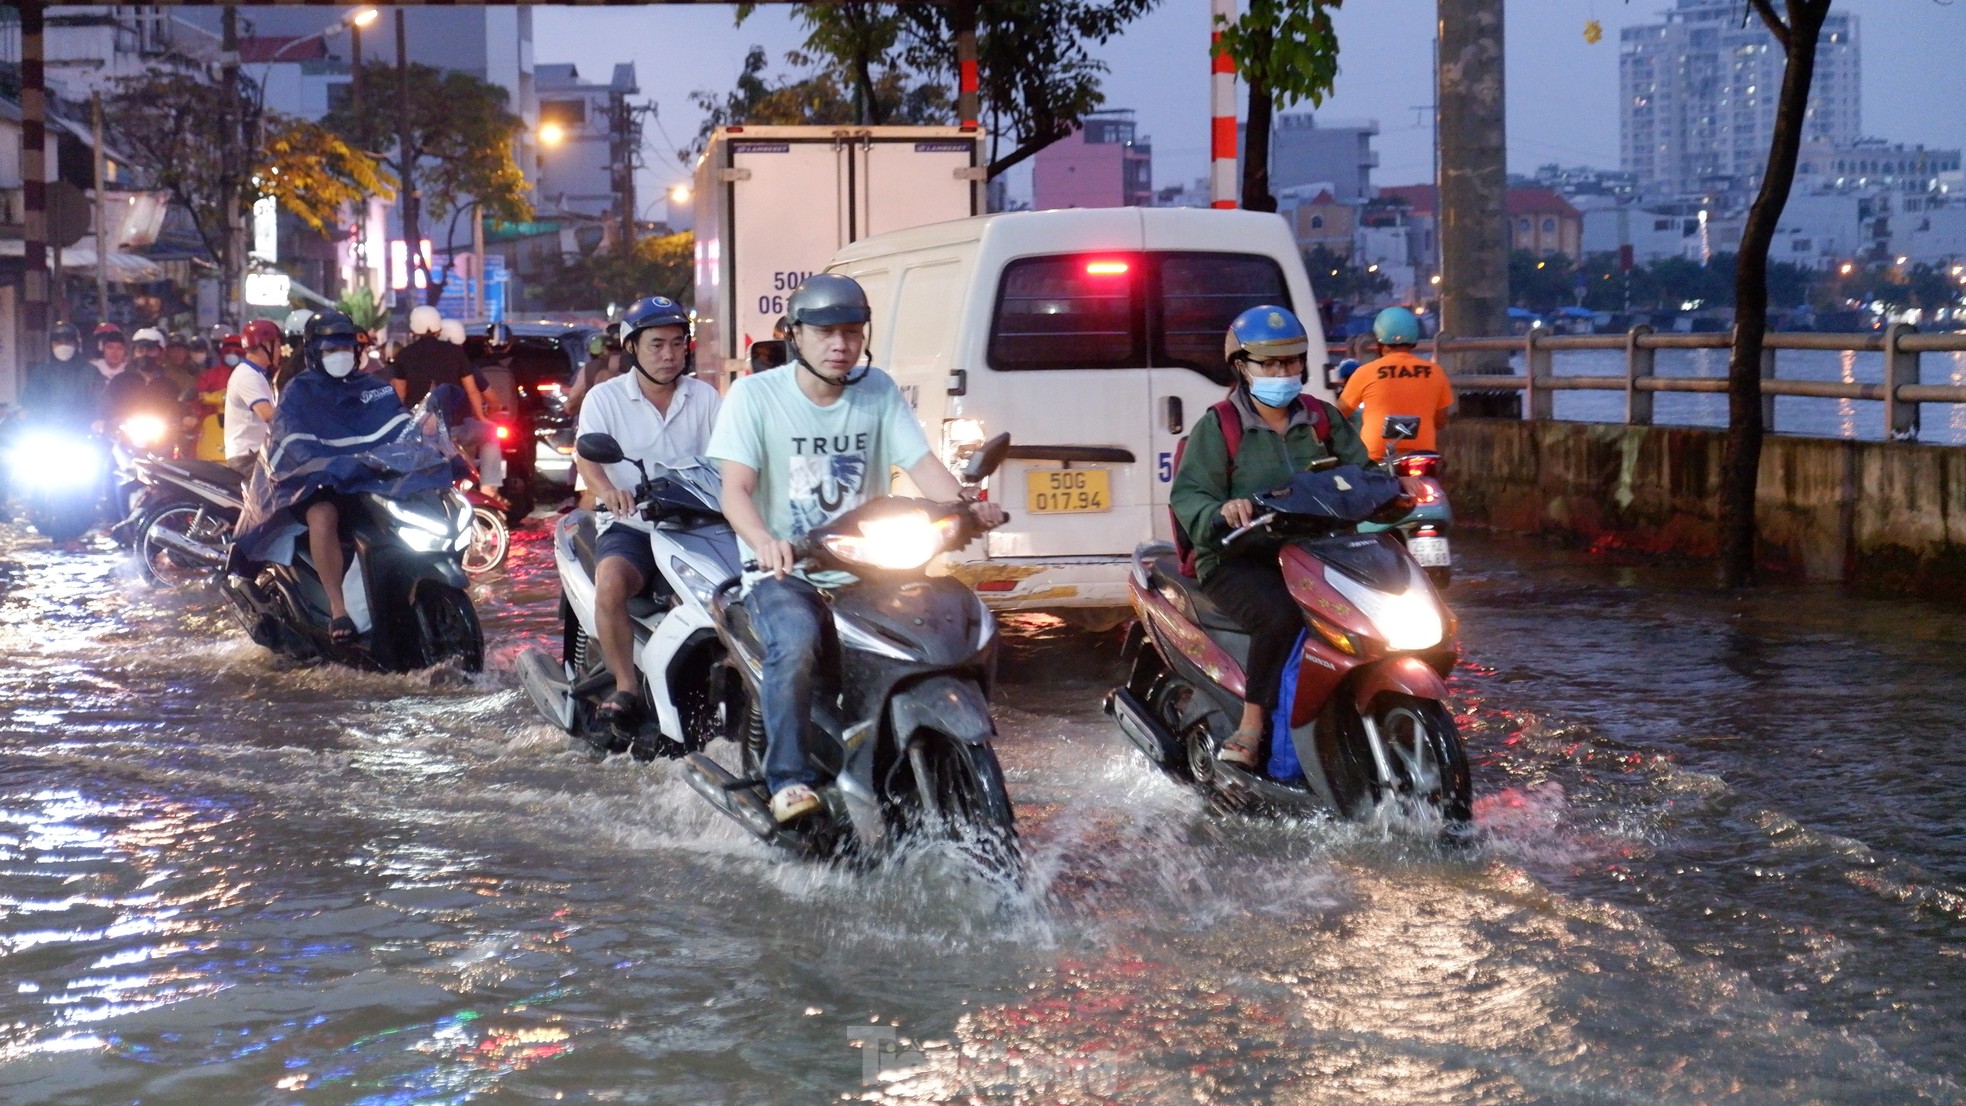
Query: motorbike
{"x": 676, "y": 649}
{"x": 185, "y": 515}
{"x": 901, "y": 730}
{"x": 1362, "y": 716}
{"x": 1425, "y": 527}
{"x": 491, "y": 537}
{"x": 58, "y": 477}
{"x": 404, "y": 585}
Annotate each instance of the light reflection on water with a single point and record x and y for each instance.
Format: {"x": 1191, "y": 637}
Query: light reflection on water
{"x": 220, "y": 879}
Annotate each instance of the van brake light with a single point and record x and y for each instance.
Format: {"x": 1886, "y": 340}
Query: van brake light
{"x": 1106, "y": 268}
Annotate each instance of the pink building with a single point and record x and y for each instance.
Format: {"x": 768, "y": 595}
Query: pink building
{"x": 1102, "y": 164}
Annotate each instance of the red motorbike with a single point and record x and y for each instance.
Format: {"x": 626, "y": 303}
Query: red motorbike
{"x": 1362, "y": 716}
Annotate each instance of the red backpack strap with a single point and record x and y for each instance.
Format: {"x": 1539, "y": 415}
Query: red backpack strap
{"x": 1229, "y": 421}
{"x": 1320, "y": 414}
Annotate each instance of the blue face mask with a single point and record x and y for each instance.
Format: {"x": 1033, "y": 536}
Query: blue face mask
{"x": 1275, "y": 391}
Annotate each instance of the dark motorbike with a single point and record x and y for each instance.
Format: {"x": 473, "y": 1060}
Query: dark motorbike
{"x": 1425, "y": 527}
{"x": 1362, "y": 717}
{"x": 185, "y": 514}
{"x": 901, "y": 728}
{"x": 59, "y": 477}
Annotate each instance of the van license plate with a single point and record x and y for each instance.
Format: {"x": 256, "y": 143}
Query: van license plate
{"x": 1430, "y": 552}
{"x": 1067, "y": 491}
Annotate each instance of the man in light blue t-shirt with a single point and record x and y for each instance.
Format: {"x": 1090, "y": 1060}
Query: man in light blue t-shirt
{"x": 800, "y": 447}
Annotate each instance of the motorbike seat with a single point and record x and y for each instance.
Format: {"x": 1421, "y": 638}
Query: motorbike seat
{"x": 1186, "y": 595}
{"x": 583, "y": 539}
{"x": 210, "y": 472}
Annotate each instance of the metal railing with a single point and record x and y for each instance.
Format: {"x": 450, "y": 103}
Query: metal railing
{"x": 1900, "y": 391}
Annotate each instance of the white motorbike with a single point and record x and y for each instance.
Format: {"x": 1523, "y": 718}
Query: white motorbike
{"x": 676, "y": 647}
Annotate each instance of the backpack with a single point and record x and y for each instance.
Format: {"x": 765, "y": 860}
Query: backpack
{"x": 1230, "y": 421}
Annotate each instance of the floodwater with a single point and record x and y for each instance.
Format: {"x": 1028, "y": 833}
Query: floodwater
{"x": 1721, "y": 861}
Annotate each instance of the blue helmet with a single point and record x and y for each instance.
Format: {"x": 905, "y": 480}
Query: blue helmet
{"x": 1396, "y": 326}
{"x": 652, "y": 311}
{"x": 1345, "y": 370}
{"x": 1265, "y": 333}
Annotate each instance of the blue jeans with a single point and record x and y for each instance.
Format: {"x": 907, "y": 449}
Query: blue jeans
{"x": 796, "y": 630}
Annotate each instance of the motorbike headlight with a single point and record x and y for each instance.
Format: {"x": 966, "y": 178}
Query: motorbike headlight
{"x": 54, "y": 462}
{"x": 960, "y": 437}
{"x": 422, "y": 533}
{"x": 1408, "y": 620}
{"x": 143, "y": 431}
{"x": 700, "y": 587}
{"x": 902, "y": 541}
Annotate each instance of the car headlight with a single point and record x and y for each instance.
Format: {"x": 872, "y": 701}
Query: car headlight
{"x": 143, "y": 431}
{"x": 901, "y": 541}
{"x": 55, "y": 462}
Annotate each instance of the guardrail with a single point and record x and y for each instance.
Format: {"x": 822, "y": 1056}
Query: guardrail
{"x": 1900, "y": 391}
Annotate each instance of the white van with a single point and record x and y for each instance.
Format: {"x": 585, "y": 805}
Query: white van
{"x": 1095, "y": 338}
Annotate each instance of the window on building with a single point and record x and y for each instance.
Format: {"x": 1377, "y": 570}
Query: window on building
{"x": 567, "y": 113}
{"x": 1317, "y": 222}
{"x": 1549, "y": 226}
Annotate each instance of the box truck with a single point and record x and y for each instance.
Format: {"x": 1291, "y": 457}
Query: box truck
{"x": 773, "y": 204}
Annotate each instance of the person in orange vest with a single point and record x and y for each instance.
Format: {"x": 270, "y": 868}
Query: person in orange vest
{"x": 211, "y": 399}
{"x": 1398, "y": 383}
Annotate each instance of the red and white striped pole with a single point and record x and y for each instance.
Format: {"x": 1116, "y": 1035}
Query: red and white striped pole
{"x": 1222, "y": 106}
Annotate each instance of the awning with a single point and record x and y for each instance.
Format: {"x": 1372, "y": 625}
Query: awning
{"x": 124, "y": 268}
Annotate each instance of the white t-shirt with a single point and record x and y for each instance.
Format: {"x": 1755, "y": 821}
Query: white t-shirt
{"x": 816, "y": 463}
{"x": 678, "y": 439}
{"x": 245, "y": 432}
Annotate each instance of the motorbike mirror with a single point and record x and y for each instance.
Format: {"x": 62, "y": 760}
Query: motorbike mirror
{"x": 1401, "y": 427}
{"x": 987, "y": 459}
{"x": 769, "y": 354}
{"x": 601, "y": 449}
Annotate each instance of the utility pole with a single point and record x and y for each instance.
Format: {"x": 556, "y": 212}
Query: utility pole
{"x": 102, "y": 211}
{"x": 405, "y": 169}
{"x": 355, "y": 72}
{"x": 34, "y": 194}
{"x": 230, "y": 174}
{"x": 624, "y": 139}
{"x": 1473, "y": 186}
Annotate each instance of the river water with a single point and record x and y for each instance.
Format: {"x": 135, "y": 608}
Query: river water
{"x": 1940, "y": 423}
{"x": 1721, "y": 862}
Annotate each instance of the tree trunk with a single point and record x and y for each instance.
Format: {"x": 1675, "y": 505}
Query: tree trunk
{"x": 1741, "y": 457}
{"x": 1256, "y": 148}
{"x": 406, "y": 175}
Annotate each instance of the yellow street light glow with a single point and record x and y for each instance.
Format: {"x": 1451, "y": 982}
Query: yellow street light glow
{"x": 679, "y": 194}
{"x": 552, "y": 134}
{"x": 363, "y": 17}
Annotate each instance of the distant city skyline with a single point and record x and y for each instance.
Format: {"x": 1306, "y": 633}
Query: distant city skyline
{"x": 1562, "y": 97}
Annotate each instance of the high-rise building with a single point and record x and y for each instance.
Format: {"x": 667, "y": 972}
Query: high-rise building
{"x": 1104, "y": 163}
{"x": 1699, "y": 95}
{"x": 1305, "y": 151}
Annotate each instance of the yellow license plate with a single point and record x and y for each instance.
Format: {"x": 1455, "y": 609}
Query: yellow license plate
{"x": 1067, "y": 491}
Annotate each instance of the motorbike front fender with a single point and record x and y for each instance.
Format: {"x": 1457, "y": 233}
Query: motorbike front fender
{"x": 948, "y": 704}
{"x": 1398, "y": 676}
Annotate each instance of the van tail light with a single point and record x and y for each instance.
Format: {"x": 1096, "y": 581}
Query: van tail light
{"x": 1417, "y": 464}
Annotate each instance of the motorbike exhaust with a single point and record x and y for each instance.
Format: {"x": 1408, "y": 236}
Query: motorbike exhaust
{"x": 737, "y": 800}
{"x": 1141, "y": 728}
{"x": 206, "y": 555}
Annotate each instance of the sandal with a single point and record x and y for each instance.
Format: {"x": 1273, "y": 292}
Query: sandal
{"x": 1243, "y": 749}
{"x": 618, "y": 710}
{"x": 342, "y": 630}
{"x": 792, "y": 802}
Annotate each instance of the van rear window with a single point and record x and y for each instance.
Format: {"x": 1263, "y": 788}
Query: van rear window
{"x": 1127, "y": 310}
{"x": 1071, "y": 312}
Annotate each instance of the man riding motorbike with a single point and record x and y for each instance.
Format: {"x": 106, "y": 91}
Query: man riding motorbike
{"x": 145, "y": 389}
{"x": 428, "y": 361}
{"x": 1282, "y": 432}
{"x": 799, "y": 448}
{"x": 661, "y": 415}
{"x": 64, "y": 391}
{"x": 1398, "y": 383}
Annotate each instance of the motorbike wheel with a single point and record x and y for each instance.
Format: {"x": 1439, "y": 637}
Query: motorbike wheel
{"x": 960, "y": 795}
{"x": 164, "y": 565}
{"x": 490, "y": 541}
{"x": 518, "y": 491}
{"x": 1429, "y": 765}
{"x": 447, "y": 626}
{"x": 63, "y": 523}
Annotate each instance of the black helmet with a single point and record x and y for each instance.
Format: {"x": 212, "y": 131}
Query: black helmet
{"x": 327, "y": 327}
{"x": 498, "y": 336}
{"x": 65, "y": 332}
{"x": 828, "y": 299}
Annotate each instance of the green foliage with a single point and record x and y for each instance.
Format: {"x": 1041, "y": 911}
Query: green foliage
{"x": 361, "y": 305}
{"x": 1338, "y": 278}
{"x": 460, "y": 138}
{"x": 818, "y": 96}
{"x": 1288, "y": 47}
{"x": 1898, "y": 288}
{"x": 657, "y": 266}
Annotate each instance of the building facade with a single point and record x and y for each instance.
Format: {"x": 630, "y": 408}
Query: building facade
{"x": 1105, "y": 163}
{"x": 1697, "y": 112}
{"x": 577, "y": 168}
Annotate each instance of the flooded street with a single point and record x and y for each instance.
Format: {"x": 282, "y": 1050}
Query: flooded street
{"x": 1722, "y": 861}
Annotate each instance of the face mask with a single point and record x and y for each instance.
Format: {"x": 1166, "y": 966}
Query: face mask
{"x": 231, "y": 360}
{"x": 63, "y": 353}
{"x": 1275, "y": 391}
{"x": 338, "y": 364}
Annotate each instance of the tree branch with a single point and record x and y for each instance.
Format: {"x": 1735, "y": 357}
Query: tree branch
{"x": 1766, "y": 9}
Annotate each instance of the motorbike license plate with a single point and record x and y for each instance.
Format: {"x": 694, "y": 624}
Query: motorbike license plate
{"x": 1067, "y": 491}
{"x": 1430, "y": 552}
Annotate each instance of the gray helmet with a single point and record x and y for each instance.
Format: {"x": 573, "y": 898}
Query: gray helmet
{"x": 295, "y": 328}
{"x": 828, "y": 299}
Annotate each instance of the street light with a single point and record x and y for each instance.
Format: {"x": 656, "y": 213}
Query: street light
{"x": 360, "y": 17}
{"x": 679, "y": 194}
{"x": 551, "y": 134}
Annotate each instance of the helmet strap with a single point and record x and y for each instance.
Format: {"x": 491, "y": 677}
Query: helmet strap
{"x": 850, "y": 379}
{"x": 658, "y": 381}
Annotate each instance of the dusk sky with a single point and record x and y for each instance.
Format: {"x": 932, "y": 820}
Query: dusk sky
{"x": 1562, "y": 91}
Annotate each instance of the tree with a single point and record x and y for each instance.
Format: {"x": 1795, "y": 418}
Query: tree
{"x": 458, "y": 149}
{"x": 1339, "y": 279}
{"x": 816, "y": 97}
{"x": 1541, "y": 284}
{"x": 1285, "y": 51}
{"x": 862, "y": 39}
{"x": 1797, "y": 35}
{"x": 656, "y": 266}
{"x": 172, "y": 125}
{"x": 1035, "y": 74}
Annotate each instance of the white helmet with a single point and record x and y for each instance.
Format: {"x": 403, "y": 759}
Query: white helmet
{"x": 148, "y": 334}
{"x": 425, "y": 320}
{"x": 452, "y": 331}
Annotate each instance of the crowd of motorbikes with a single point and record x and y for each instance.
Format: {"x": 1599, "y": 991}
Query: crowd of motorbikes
{"x": 905, "y": 725}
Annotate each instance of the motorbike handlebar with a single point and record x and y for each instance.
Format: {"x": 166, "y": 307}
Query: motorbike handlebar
{"x": 1254, "y": 524}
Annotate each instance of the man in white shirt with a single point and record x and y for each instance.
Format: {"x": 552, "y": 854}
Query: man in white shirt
{"x": 661, "y": 415}
{"x": 249, "y": 396}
